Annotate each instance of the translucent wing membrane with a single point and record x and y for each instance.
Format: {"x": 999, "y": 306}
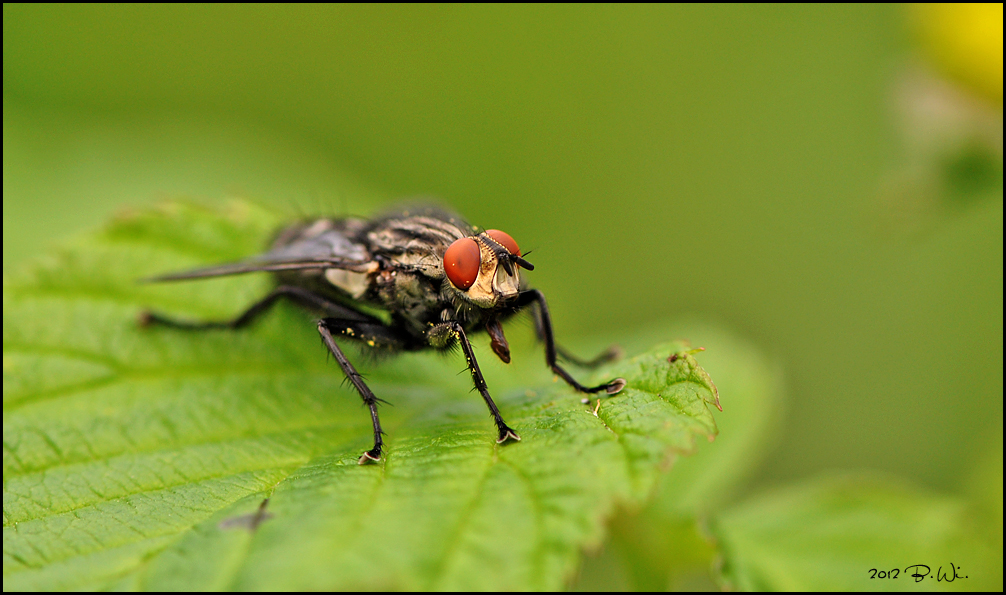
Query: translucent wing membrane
{"x": 317, "y": 245}
{"x": 251, "y": 266}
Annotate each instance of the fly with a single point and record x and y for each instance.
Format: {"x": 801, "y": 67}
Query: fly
{"x": 412, "y": 280}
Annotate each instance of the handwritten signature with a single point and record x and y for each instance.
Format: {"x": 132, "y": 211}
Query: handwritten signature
{"x": 920, "y": 572}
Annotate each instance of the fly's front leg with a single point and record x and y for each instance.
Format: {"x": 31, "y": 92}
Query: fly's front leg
{"x": 609, "y": 355}
{"x": 443, "y": 335}
{"x": 544, "y": 323}
{"x": 372, "y": 334}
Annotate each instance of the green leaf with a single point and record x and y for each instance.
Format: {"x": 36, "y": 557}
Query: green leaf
{"x": 142, "y": 458}
{"x": 831, "y": 533}
{"x": 663, "y": 546}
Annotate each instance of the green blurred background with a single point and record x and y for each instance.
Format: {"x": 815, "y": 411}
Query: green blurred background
{"x": 777, "y": 170}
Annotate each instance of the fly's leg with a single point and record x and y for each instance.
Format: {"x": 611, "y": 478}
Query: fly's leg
{"x": 609, "y": 355}
{"x": 544, "y": 322}
{"x": 373, "y": 334}
{"x": 297, "y": 294}
{"x": 349, "y": 323}
{"x": 443, "y": 335}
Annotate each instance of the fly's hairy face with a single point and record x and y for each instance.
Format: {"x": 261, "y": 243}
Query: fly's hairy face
{"x": 484, "y": 269}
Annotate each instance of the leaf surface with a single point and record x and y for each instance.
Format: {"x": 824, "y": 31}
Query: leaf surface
{"x": 664, "y": 546}
{"x": 855, "y": 533}
{"x": 164, "y": 459}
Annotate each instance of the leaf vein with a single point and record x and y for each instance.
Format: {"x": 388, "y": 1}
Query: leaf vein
{"x": 453, "y": 541}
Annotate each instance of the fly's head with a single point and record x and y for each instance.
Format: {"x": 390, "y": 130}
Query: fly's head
{"x": 484, "y": 269}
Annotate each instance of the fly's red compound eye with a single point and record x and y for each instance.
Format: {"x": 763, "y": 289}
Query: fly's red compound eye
{"x": 462, "y": 261}
{"x": 503, "y": 239}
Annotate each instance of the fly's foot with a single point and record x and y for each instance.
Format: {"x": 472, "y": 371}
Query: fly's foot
{"x": 507, "y": 434}
{"x": 144, "y": 319}
{"x": 613, "y": 353}
{"x": 371, "y": 456}
{"x": 615, "y": 386}
{"x": 611, "y": 388}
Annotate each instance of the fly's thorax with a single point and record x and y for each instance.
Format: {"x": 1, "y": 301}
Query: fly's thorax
{"x": 425, "y": 261}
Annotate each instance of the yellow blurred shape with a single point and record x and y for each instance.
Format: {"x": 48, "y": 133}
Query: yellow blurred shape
{"x": 966, "y": 42}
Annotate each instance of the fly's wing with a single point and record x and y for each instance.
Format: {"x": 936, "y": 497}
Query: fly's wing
{"x": 263, "y": 264}
{"x": 323, "y": 244}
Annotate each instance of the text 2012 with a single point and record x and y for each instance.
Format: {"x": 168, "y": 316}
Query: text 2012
{"x": 919, "y": 572}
